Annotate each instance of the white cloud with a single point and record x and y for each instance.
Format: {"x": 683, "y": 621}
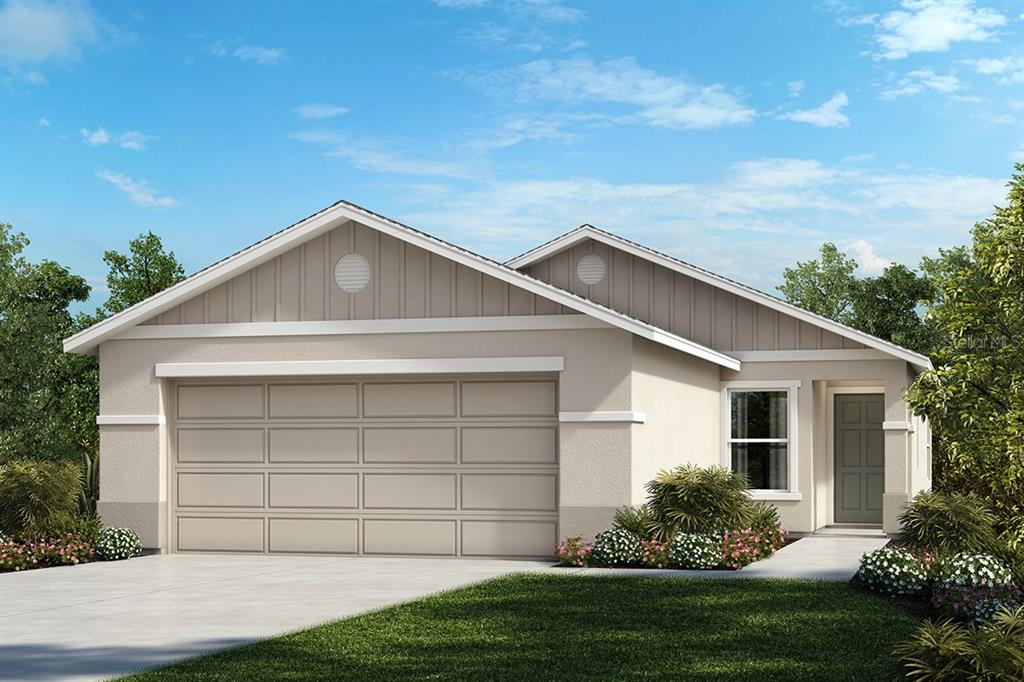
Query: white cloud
{"x": 933, "y": 26}
{"x": 869, "y": 263}
{"x": 134, "y": 140}
{"x": 545, "y": 10}
{"x": 260, "y": 55}
{"x": 318, "y": 111}
{"x": 795, "y": 88}
{"x": 369, "y": 156}
{"x": 39, "y": 31}
{"x": 1017, "y": 155}
{"x": 575, "y": 45}
{"x": 460, "y": 4}
{"x": 1006, "y": 71}
{"x": 139, "y": 192}
{"x": 658, "y": 100}
{"x": 95, "y": 137}
{"x": 43, "y": 122}
{"x": 827, "y": 115}
{"x": 916, "y": 82}
{"x": 35, "y": 78}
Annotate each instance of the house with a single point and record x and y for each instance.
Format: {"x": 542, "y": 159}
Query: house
{"x": 352, "y": 385}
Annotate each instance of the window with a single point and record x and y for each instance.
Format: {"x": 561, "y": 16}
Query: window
{"x": 760, "y": 435}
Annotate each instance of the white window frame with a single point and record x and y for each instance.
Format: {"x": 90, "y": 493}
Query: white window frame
{"x": 792, "y": 389}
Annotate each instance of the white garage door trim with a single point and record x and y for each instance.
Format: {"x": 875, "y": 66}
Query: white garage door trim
{"x": 361, "y": 367}
{"x": 452, "y": 465}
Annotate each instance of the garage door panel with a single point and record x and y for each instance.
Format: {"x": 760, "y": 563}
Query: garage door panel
{"x": 220, "y": 402}
{"x": 220, "y": 489}
{"x": 314, "y": 401}
{"x": 313, "y": 445}
{"x": 227, "y": 445}
{"x": 508, "y": 399}
{"x": 333, "y": 536}
{"x": 409, "y": 491}
{"x": 508, "y": 538}
{"x": 520, "y": 492}
{"x": 222, "y": 535}
{"x": 409, "y": 445}
{"x": 409, "y": 400}
{"x": 394, "y": 536}
{"x": 314, "y": 491}
{"x": 509, "y": 445}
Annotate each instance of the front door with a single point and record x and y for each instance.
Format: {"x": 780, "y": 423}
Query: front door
{"x": 859, "y": 457}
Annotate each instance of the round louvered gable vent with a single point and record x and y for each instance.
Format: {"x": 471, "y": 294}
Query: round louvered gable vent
{"x": 352, "y": 273}
{"x": 590, "y": 269}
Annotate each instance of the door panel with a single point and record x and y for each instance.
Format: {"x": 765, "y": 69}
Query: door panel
{"x": 859, "y": 458}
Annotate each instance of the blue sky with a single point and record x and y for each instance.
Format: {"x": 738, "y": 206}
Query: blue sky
{"x": 737, "y": 136}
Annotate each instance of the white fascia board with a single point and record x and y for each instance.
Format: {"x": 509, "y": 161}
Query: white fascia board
{"x": 87, "y": 340}
{"x": 183, "y": 370}
{"x": 825, "y": 355}
{"x": 623, "y": 417}
{"x": 570, "y": 239}
{"x": 346, "y": 327}
{"x": 129, "y": 419}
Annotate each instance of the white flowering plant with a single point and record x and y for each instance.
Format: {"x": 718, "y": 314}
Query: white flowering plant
{"x": 695, "y": 550}
{"x": 616, "y": 547}
{"x": 115, "y": 544}
{"x": 892, "y": 572}
{"x": 974, "y": 587}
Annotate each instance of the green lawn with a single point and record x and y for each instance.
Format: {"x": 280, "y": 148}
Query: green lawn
{"x": 570, "y": 628}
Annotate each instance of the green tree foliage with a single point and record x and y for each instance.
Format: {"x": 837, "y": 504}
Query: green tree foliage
{"x": 975, "y": 395}
{"x": 38, "y": 498}
{"x": 145, "y": 270}
{"x": 885, "y": 306}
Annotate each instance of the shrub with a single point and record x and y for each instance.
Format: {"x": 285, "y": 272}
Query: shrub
{"x": 118, "y": 543}
{"x": 655, "y": 553}
{"x": 743, "y": 547}
{"x": 616, "y": 547}
{"x": 61, "y": 551}
{"x": 974, "y": 587}
{"x": 38, "y": 497}
{"x": 953, "y": 651}
{"x": 574, "y": 552}
{"x": 4, "y": 538}
{"x": 689, "y": 499}
{"x": 695, "y": 550}
{"x": 764, "y": 516}
{"x": 892, "y": 572}
{"x": 947, "y": 523}
{"x": 637, "y": 520}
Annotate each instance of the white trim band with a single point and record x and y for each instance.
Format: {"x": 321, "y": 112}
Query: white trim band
{"x": 129, "y": 419}
{"x": 836, "y": 354}
{"x": 623, "y": 417}
{"x": 898, "y": 426}
{"x": 775, "y": 495}
{"x": 339, "y": 327}
{"x": 350, "y": 367}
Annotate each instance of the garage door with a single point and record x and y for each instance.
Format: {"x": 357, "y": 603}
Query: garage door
{"x": 456, "y": 466}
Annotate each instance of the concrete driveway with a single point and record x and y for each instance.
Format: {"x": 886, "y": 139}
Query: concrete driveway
{"x": 105, "y": 619}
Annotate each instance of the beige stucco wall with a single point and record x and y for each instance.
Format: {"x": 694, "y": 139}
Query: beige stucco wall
{"x": 594, "y": 458}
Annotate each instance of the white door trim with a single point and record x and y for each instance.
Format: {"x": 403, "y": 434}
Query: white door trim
{"x": 363, "y": 367}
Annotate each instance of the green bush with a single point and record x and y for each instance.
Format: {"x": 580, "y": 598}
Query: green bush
{"x": 690, "y": 499}
{"x": 115, "y": 544}
{"x": 38, "y": 498}
{"x": 636, "y": 520}
{"x": 946, "y": 523}
{"x": 616, "y": 547}
{"x": 695, "y": 550}
{"x": 764, "y": 517}
{"x": 992, "y": 651}
{"x": 892, "y": 572}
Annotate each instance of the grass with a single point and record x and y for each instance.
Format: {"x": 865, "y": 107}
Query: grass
{"x": 531, "y": 627}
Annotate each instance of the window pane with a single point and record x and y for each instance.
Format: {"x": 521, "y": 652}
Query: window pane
{"x": 764, "y": 464}
{"x": 759, "y": 414}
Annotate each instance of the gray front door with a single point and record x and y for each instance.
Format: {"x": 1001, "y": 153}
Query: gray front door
{"x": 859, "y": 457}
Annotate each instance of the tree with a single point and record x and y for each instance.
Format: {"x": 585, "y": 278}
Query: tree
{"x": 145, "y": 270}
{"x": 823, "y": 286}
{"x": 975, "y": 395}
{"x": 40, "y": 400}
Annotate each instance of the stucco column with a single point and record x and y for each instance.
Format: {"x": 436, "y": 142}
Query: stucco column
{"x": 897, "y": 454}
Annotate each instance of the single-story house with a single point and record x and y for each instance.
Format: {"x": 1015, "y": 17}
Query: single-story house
{"x": 352, "y": 385}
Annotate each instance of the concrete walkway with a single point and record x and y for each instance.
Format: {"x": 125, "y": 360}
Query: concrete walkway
{"x": 100, "y": 620}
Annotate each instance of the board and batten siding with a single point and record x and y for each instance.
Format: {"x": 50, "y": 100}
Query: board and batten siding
{"x": 683, "y": 305}
{"x": 405, "y": 282}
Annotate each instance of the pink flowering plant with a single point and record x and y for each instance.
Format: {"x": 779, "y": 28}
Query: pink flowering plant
{"x": 655, "y": 553}
{"x": 743, "y": 547}
{"x": 574, "y": 552}
{"x": 68, "y": 549}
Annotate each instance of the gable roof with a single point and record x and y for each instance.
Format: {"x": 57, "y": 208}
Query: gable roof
{"x": 584, "y": 232}
{"x": 88, "y": 340}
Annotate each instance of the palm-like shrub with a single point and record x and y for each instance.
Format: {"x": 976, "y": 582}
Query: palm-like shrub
{"x": 37, "y": 498}
{"x": 690, "y": 499}
{"x": 954, "y": 651}
{"x": 636, "y": 520}
{"x": 947, "y": 523}
{"x": 764, "y": 517}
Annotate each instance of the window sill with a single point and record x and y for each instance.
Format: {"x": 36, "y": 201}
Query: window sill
{"x": 774, "y": 496}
